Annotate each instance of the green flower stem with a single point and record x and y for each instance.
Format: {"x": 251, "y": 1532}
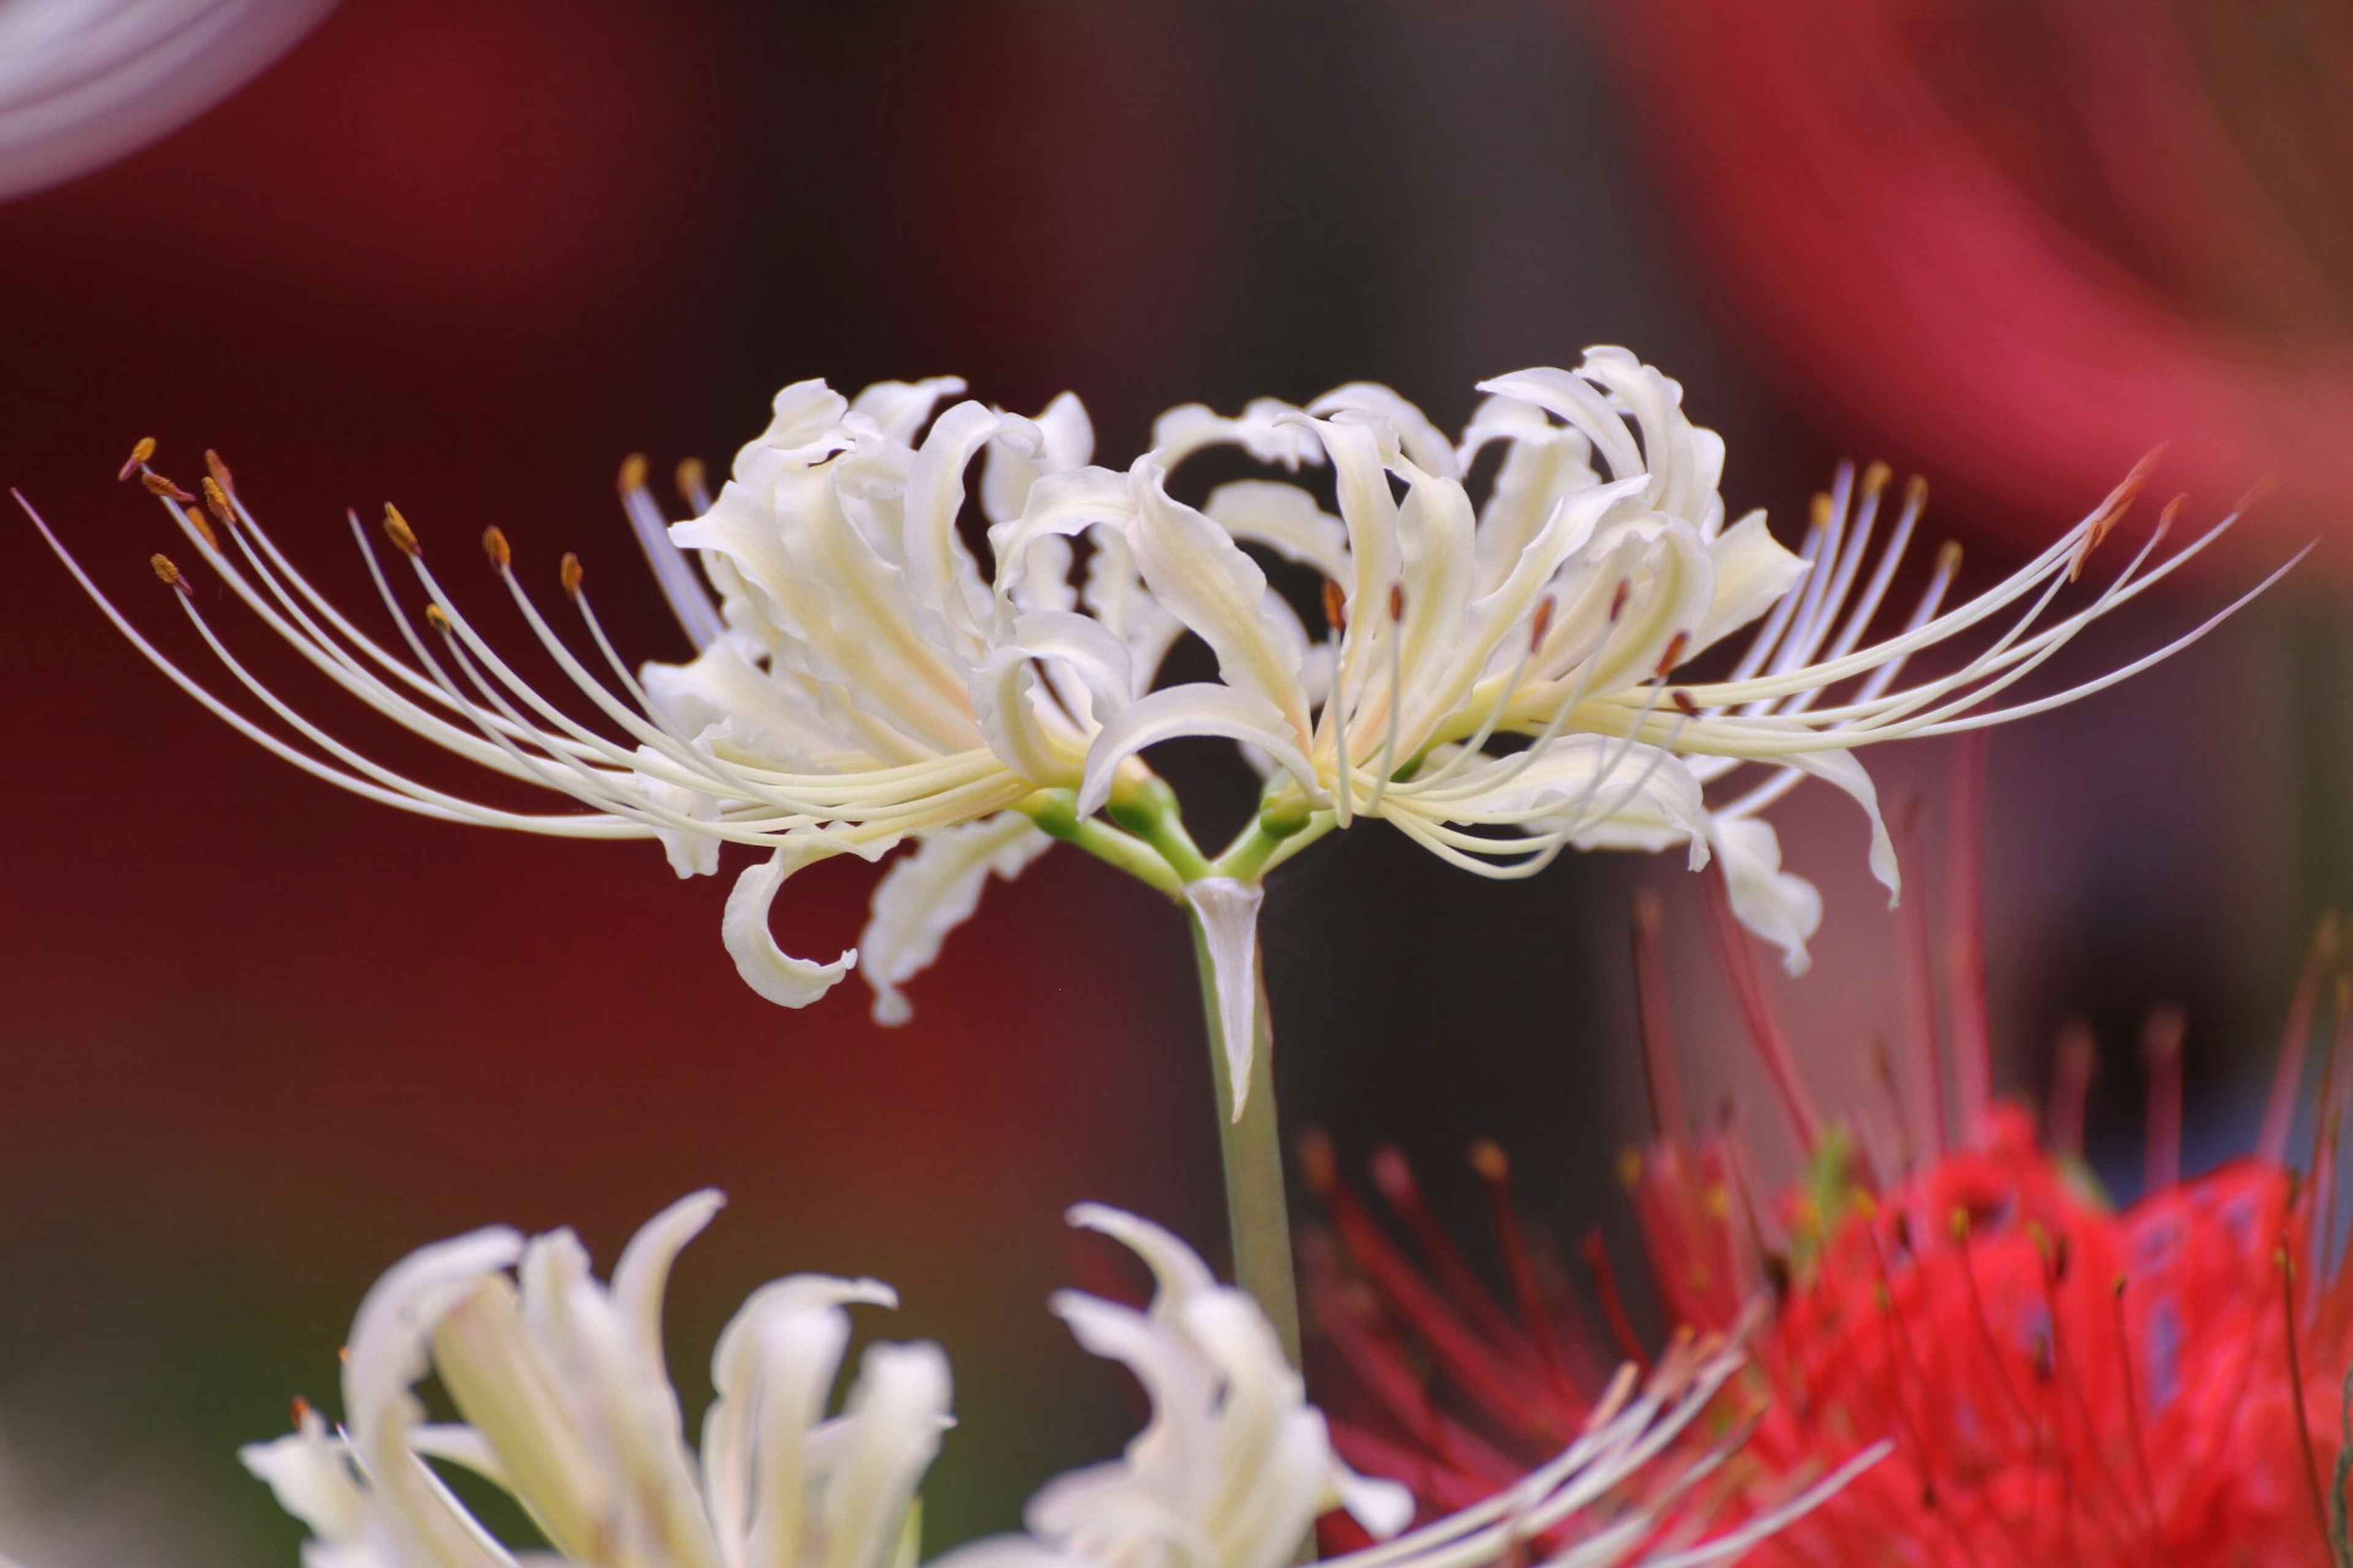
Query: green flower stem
{"x": 1056, "y": 813}
{"x": 1258, "y": 1212}
{"x": 1148, "y": 810}
{"x": 1282, "y": 828}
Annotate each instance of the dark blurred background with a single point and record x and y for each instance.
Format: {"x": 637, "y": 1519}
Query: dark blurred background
{"x": 464, "y": 254}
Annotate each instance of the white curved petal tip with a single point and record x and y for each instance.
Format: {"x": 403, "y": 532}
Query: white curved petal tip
{"x": 766, "y": 968}
{"x": 1228, "y": 910}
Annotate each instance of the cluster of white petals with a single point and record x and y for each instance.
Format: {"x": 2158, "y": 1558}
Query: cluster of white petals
{"x": 1500, "y": 668}
{"x": 563, "y": 1403}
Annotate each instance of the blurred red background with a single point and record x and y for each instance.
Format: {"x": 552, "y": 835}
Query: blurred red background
{"x": 465, "y": 254}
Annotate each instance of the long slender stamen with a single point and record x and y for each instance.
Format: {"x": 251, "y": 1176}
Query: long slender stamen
{"x": 2156, "y": 1522}
{"x": 2160, "y": 1047}
{"x": 1925, "y": 1061}
{"x": 1964, "y": 952}
{"x": 689, "y": 601}
{"x": 1588, "y": 662}
{"x": 2284, "y": 1260}
{"x": 1495, "y": 1171}
{"x": 1665, "y": 1082}
{"x": 405, "y": 795}
{"x": 1387, "y": 763}
{"x": 1474, "y": 749}
{"x": 1764, "y": 1026}
{"x": 2295, "y": 1044}
{"x": 1335, "y": 703}
{"x": 2070, "y": 1089}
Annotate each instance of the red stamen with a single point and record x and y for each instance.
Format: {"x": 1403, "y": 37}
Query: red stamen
{"x": 2286, "y": 1264}
{"x": 1924, "y": 1063}
{"x": 1495, "y": 1171}
{"x": 1486, "y": 1376}
{"x": 1764, "y": 1028}
{"x": 1667, "y": 1118}
{"x": 2132, "y": 1421}
{"x": 2070, "y": 1088}
{"x": 1613, "y": 1308}
{"x": 1964, "y": 963}
{"x": 2160, "y": 1050}
{"x": 2279, "y": 1113}
{"x": 1393, "y": 1175}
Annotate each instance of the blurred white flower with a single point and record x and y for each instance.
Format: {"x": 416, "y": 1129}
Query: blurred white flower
{"x": 565, "y": 1403}
{"x": 67, "y": 1503}
{"x": 82, "y": 82}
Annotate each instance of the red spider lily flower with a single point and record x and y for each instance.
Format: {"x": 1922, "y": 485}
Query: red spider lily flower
{"x": 2064, "y": 1381}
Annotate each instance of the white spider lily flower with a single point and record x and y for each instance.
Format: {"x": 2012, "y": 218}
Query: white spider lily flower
{"x": 858, "y": 684}
{"x": 563, "y": 1402}
{"x": 1505, "y": 678}
{"x": 1235, "y": 1464}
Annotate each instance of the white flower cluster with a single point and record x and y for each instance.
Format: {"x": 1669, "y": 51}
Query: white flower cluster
{"x": 1500, "y": 669}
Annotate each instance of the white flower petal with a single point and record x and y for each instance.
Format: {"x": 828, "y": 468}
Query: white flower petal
{"x": 1197, "y": 708}
{"x": 1417, "y": 437}
{"x": 766, "y": 968}
{"x": 941, "y": 578}
{"x": 1194, "y": 569}
{"x": 1753, "y": 571}
{"x": 1845, "y": 771}
{"x": 895, "y": 1416}
{"x": 899, "y": 407}
{"x": 928, "y": 893}
{"x": 1228, "y": 910}
{"x": 1286, "y": 519}
{"x": 1066, "y": 441}
{"x": 1084, "y": 646}
{"x": 1177, "y": 1271}
{"x": 1779, "y": 906}
{"x": 1383, "y": 1508}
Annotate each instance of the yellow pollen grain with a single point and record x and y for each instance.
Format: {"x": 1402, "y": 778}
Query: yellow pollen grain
{"x": 1629, "y": 1167}
{"x": 435, "y": 619}
{"x": 157, "y": 485}
{"x": 397, "y": 528}
{"x": 633, "y": 473}
{"x": 1875, "y": 477}
{"x": 141, "y": 450}
{"x": 200, "y": 528}
{"x": 570, "y": 572}
{"x": 1487, "y": 1158}
{"x": 495, "y": 546}
{"x": 164, "y": 569}
{"x": 215, "y": 499}
{"x": 691, "y": 478}
{"x": 219, "y": 472}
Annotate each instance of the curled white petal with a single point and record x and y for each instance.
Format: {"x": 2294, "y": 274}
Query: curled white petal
{"x": 766, "y": 968}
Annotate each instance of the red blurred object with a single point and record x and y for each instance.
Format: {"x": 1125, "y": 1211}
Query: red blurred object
{"x": 2060, "y": 1381}
{"x": 2020, "y": 245}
